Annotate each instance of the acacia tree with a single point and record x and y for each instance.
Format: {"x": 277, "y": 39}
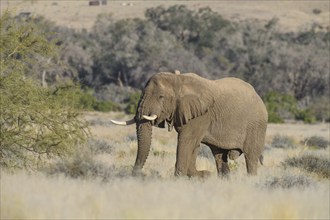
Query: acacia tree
{"x": 35, "y": 121}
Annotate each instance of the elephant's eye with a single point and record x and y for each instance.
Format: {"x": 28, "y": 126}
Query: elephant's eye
{"x": 161, "y": 97}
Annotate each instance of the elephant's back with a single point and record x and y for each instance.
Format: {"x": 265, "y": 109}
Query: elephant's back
{"x": 234, "y": 83}
{"x": 240, "y": 101}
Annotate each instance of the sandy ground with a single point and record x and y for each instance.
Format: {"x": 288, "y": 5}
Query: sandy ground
{"x": 78, "y": 14}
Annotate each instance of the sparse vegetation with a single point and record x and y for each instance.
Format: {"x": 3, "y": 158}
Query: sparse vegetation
{"x": 316, "y": 142}
{"x": 287, "y": 181}
{"x": 99, "y": 173}
{"x": 311, "y": 163}
{"x": 82, "y": 163}
{"x": 282, "y": 141}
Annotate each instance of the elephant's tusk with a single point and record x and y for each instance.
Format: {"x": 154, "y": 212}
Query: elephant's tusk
{"x": 150, "y": 118}
{"x": 129, "y": 122}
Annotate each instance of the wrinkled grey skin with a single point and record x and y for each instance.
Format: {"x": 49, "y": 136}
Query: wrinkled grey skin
{"x": 227, "y": 115}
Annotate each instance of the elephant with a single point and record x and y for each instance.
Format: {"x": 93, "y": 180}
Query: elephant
{"x": 225, "y": 114}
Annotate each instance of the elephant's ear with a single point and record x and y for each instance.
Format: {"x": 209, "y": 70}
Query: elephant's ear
{"x": 189, "y": 107}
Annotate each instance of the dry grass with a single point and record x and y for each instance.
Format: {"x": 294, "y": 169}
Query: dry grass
{"x": 77, "y": 14}
{"x": 278, "y": 192}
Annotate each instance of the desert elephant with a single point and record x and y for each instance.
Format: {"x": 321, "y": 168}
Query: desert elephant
{"x": 226, "y": 114}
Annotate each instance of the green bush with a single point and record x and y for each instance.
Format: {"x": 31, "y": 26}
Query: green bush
{"x": 106, "y": 106}
{"x": 87, "y": 100}
{"x": 305, "y": 115}
{"x": 35, "y": 121}
{"x": 133, "y": 103}
{"x": 280, "y": 106}
{"x": 273, "y": 117}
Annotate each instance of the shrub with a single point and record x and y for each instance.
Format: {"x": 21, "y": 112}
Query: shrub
{"x": 87, "y": 100}
{"x": 133, "y": 103}
{"x": 99, "y": 146}
{"x": 281, "y": 141}
{"x": 288, "y": 181}
{"x": 311, "y": 163}
{"x": 280, "y": 106}
{"x": 106, "y": 106}
{"x": 316, "y": 142}
{"x": 79, "y": 166}
{"x": 306, "y": 115}
{"x": 82, "y": 163}
{"x": 35, "y": 120}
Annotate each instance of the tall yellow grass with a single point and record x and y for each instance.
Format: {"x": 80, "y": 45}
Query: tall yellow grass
{"x": 162, "y": 196}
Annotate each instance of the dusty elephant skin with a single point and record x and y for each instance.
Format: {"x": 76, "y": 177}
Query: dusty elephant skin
{"x": 226, "y": 114}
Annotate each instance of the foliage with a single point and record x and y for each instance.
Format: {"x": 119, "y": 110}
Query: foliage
{"x": 317, "y": 142}
{"x": 279, "y": 106}
{"x": 311, "y": 163}
{"x": 88, "y": 101}
{"x": 133, "y": 103}
{"x": 305, "y": 115}
{"x": 36, "y": 121}
{"x": 281, "y": 141}
{"x": 284, "y": 106}
{"x": 106, "y": 106}
{"x": 288, "y": 69}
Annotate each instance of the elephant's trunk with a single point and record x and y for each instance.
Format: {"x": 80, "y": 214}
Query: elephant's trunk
{"x": 144, "y": 132}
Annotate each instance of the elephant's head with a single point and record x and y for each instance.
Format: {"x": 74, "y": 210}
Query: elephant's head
{"x": 171, "y": 99}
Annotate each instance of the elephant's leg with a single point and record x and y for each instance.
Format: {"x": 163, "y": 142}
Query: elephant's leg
{"x": 251, "y": 163}
{"x": 221, "y": 160}
{"x": 192, "y": 171}
{"x": 189, "y": 138}
{"x": 251, "y": 155}
{"x": 184, "y": 155}
{"x": 253, "y": 147}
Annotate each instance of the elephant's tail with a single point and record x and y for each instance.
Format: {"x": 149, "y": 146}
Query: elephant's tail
{"x": 261, "y": 159}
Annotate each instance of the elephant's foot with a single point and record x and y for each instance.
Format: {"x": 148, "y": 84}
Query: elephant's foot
{"x": 200, "y": 174}
{"x": 138, "y": 173}
{"x": 204, "y": 174}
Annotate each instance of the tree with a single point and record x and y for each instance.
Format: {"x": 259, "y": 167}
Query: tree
{"x": 35, "y": 121}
